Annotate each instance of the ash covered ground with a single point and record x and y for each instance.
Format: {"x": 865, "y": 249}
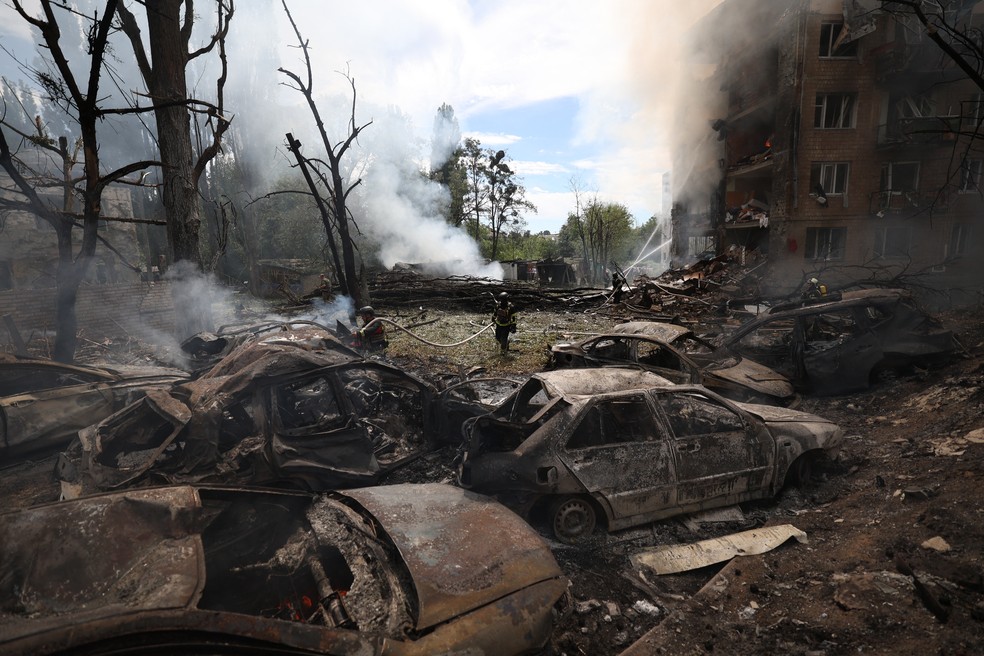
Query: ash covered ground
{"x": 894, "y": 562}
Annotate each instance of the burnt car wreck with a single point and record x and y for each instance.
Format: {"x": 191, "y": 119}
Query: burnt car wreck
{"x": 626, "y": 447}
{"x": 402, "y": 569}
{"x": 839, "y": 346}
{"x": 679, "y": 355}
{"x": 43, "y": 403}
{"x": 274, "y": 412}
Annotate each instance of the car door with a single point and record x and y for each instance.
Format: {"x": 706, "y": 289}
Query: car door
{"x": 721, "y": 455}
{"x": 617, "y": 449}
{"x": 839, "y": 351}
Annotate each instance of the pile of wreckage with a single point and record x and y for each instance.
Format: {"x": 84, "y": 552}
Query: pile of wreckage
{"x": 244, "y": 503}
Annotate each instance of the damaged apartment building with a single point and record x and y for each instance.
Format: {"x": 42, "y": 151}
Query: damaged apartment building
{"x": 844, "y": 144}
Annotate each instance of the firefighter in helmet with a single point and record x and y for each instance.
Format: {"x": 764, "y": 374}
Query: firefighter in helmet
{"x": 372, "y": 335}
{"x": 504, "y": 318}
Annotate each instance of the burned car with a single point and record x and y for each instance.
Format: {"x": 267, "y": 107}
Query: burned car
{"x": 400, "y": 570}
{"x": 270, "y": 413}
{"x": 838, "y": 346}
{"x": 43, "y": 403}
{"x": 676, "y": 353}
{"x": 626, "y": 447}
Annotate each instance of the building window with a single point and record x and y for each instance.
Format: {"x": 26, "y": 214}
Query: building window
{"x": 825, "y": 243}
{"x": 972, "y": 113}
{"x": 899, "y": 177}
{"x": 829, "y": 45}
{"x": 957, "y": 244}
{"x": 834, "y": 110}
{"x": 895, "y": 241}
{"x": 6, "y": 276}
{"x": 970, "y": 176}
{"x": 830, "y": 176}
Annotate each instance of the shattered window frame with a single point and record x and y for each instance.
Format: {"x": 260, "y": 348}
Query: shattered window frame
{"x": 825, "y": 243}
{"x": 831, "y": 176}
{"x": 599, "y": 426}
{"x": 892, "y": 172}
{"x": 830, "y": 32}
{"x": 835, "y": 111}
{"x": 701, "y": 416}
{"x": 956, "y": 245}
{"x": 970, "y": 176}
{"x": 893, "y": 242}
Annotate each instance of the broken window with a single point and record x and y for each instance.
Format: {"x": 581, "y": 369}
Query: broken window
{"x": 830, "y": 43}
{"x": 614, "y": 421}
{"x": 893, "y": 241}
{"x": 824, "y": 331}
{"x": 825, "y": 243}
{"x": 694, "y": 414}
{"x": 956, "y": 245}
{"x": 899, "y": 177}
{"x": 834, "y": 110}
{"x": 830, "y": 176}
{"x": 308, "y": 404}
{"x": 972, "y": 112}
{"x": 612, "y": 348}
{"x": 654, "y": 355}
{"x": 970, "y": 176}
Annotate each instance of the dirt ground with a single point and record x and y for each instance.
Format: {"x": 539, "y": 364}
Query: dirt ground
{"x": 894, "y": 562}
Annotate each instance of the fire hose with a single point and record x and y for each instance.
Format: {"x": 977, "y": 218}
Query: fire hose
{"x": 421, "y": 339}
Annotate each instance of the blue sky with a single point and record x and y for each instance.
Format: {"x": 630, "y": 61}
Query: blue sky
{"x": 573, "y": 90}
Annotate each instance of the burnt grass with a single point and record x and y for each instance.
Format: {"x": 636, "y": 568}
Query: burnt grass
{"x": 871, "y": 578}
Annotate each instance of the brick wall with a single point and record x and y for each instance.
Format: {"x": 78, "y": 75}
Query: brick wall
{"x": 133, "y": 309}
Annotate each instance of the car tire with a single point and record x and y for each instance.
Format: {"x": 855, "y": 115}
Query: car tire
{"x": 572, "y": 519}
{"x": 800, "y": 472}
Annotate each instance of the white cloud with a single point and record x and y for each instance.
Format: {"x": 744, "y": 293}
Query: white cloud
{"x": 524, "y": 168}
{"x": 489, "y": 139}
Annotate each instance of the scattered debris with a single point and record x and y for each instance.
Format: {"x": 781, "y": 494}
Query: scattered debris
{"x": 681, "y": 558}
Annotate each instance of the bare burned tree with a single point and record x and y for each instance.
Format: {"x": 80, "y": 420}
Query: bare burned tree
{"x": 326, "y": 180}
{"x": 169, "y": 28}
{"x": 82, "y": 104}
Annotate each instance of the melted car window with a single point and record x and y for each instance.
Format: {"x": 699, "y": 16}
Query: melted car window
{"x": 770, "y": 336}
{"x": 824, "y": 331}
{"x": 609, "y": 347}
{"x": 612, "y": 422}
{"x": 308, "y": 403}
{"x": 694, "y": 414}
{"x": 654, "y": 355}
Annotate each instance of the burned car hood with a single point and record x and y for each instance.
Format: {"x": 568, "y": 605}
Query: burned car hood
{"x": 103, "y": 556}
{"x": 456, "y": 562}
{"x": 754, "y": 376}
{"x": 775, "y": 414}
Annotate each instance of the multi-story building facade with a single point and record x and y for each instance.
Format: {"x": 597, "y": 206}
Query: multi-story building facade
{"x": 849, "y": 149}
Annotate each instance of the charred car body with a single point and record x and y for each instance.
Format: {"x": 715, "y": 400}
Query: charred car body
{"x": 628, "y": 447}
{"x": 273, "y": 412}
{"x": 838, "y": 346}
{"x": 401, "y": 570}
{"x": 43, "y": 403}
{"x": 676, "y": 353}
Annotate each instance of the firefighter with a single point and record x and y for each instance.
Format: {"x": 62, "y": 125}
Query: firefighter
{"x": 372, "y": 335}
{"x": 504, "y": 318}
{"x": 814, "y": 289}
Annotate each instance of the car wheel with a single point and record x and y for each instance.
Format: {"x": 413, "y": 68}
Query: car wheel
{"x": 801, "y": 471}
{"x": 573, "y": 518}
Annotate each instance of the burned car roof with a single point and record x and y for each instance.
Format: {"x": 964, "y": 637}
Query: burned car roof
{"x": 45, "y": 403}
{"x": 839, "y": 345}
{"x": 675, "y": 352}
{"x": 269, "y": 413}
{"x": 623, "y": 456}
{"x": 405, "y": 569}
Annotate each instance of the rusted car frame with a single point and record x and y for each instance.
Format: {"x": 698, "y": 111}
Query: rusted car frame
{"x": 270, "y": 413}
{"x": 839, "y": 346}
{"x": 626, "y": 447}
{"x": 677, "y": 354}
{"x": 402, "y": 570}
{"x": 44, "y": 403}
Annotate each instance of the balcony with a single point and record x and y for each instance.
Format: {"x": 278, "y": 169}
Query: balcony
{"x": 924, "y": 130}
